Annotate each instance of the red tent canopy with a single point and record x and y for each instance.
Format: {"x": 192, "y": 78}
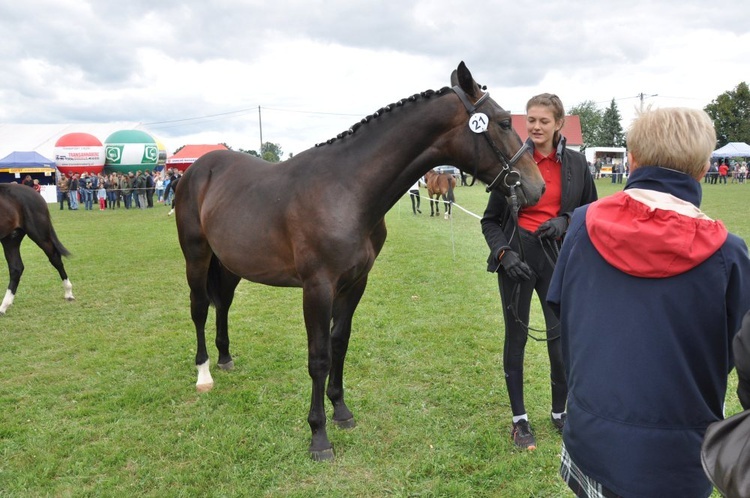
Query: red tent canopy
{"x": 189, "y": 154}
{"x": 571, "y": 130}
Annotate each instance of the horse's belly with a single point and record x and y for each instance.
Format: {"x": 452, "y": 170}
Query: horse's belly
{"x": 261, "y": 263}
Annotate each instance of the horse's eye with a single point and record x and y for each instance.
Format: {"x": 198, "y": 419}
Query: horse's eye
{"x": 505, "y": 124}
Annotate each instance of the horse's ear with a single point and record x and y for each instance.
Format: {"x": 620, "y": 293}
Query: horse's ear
{"x": 465, "y": 80}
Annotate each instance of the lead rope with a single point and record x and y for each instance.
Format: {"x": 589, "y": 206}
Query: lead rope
{"x": 516, "y": 292}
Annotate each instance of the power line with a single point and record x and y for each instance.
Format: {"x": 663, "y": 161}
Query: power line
{"x": 244, "y": 111}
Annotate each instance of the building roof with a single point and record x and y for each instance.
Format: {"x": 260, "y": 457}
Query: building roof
{"x": 571, "y": 129}
{"x": 190, "y": 153}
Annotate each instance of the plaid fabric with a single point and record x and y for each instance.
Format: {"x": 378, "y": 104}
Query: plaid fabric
{"x": 582, "y": 485}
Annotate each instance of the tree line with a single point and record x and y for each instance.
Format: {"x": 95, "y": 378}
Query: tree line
{"x": 730, "y": 113}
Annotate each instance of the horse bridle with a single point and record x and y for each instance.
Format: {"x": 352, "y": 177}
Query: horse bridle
{"x": 509, "y": 177}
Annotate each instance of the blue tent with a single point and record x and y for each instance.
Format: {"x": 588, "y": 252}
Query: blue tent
{"x": 733, "y": 149}
{"x": 23, "y": 160}
{"x": 18, "y": 164}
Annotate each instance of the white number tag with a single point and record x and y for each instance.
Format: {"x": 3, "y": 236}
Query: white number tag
{"x": 478, "y": 122}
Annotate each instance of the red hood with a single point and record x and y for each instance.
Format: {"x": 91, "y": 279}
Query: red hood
{"x": 651, "y": 234}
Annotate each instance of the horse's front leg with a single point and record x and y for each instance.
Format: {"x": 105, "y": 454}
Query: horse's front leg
{"x": 12, "y": 250}
{"x": 317, "y": 300}
{"x": 343, "y": 311}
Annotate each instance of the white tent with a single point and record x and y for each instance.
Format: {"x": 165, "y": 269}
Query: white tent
{"x": 733, "y": 149}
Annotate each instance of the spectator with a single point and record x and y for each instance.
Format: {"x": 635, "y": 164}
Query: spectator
{"x": 101, "y": 194}
{"x": 647, "y": 377}
{"x": 74, "y": 186}
{"x": 63, "y": 191}
{"x": 723, "y": 172}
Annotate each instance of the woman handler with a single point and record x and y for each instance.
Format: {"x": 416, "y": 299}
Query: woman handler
{"x": 523, "y": 251}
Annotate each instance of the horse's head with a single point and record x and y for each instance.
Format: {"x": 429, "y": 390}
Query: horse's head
{"x": 502, "y": 160}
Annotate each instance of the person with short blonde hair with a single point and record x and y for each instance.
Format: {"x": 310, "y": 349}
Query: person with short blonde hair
{"x": 648, "y": 375}
{"x": 679, "y": 138}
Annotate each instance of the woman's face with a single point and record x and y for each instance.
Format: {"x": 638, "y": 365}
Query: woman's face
{"x": 541, "y": 126}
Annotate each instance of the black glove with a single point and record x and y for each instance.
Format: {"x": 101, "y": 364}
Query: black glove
{"x": 554, "y": 228}
{"x": 516, "y": 269}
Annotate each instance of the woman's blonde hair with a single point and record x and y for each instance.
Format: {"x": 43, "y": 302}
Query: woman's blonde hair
{"x": 677, "y": 138}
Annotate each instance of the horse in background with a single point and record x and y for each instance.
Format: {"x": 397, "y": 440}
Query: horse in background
{"x": 440, "y": 185}
{"x": 317, "y": 220}
{"x": 24, "y": 212}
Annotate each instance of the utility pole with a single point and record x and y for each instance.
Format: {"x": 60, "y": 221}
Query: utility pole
{"x": 260, "y": 126}
{"x": 642, "y": 96}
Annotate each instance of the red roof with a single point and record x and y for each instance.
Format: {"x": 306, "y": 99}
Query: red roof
{"x": 190, "y": 153}
{"x": 571, "y": 130}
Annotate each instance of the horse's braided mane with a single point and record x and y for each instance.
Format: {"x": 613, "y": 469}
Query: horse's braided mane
{"x": 425, "y": 95}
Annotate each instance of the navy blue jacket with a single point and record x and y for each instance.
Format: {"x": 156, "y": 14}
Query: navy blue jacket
{"x": 650, "y": 293}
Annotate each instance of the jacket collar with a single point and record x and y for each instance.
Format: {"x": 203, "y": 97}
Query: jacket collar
{"x": 559, "y": 151}
{"x": 669, "y": 181}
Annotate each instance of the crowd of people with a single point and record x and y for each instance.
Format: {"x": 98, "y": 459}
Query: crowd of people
{"x": 726, "y": 171}
{"x": 137, "y": 190}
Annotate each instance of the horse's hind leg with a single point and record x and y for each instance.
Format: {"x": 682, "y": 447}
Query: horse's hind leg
{"x": 197, "y": 275}
{"x": 55, "y": 258}
{"x": 12, "y": 251}
{"x": 343, "y": 311}
{"x": 222, "y": 295}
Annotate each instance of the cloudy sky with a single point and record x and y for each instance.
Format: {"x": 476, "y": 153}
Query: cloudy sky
{"x": 197, "y": 71}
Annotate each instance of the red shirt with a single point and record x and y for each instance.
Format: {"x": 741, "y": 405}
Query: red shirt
{"x": 548, "y": 206}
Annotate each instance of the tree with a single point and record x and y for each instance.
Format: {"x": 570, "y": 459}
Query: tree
{"x": 610, "y": 132}
{"x": 270, "y": 152}
{"x": 730, "y": 112}
{"x": 591, "y": 118}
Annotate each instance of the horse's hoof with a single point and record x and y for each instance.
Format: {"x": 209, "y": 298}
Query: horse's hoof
{"x": 227, "y": 366}
{"x": 323, "y": 455}
{"x": 69, "y": 299}
{"x": 204, "y": 388}
{"x": 345, "y": 424}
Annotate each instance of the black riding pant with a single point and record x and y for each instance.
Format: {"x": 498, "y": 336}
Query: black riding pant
{"x": 516, "y": 301}
{"x": 414, "y": 194}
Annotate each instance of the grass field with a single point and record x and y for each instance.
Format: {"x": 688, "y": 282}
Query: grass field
{"x": 99, "y": 396}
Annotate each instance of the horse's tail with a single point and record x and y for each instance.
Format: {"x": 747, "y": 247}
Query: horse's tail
{"x": 59, "y": 247}
{"x": 451, "y": 197}
{"x": 213, "y": 280}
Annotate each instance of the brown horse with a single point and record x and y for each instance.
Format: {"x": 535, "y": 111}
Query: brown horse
{"x": 24, "y": 212}
{"x": 316, "y": 221}
{"x": 440, "y": 185}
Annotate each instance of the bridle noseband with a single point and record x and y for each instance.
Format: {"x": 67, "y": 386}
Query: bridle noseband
{"x": 509, "y": 177}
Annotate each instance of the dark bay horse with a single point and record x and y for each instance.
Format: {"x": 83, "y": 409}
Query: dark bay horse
{"x": 440, "y": 185}
{"x": 316, "y": 221}
{"x": 24, "y": 212}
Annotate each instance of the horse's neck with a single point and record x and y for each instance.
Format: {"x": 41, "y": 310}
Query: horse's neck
{"x": 401, "y": 148}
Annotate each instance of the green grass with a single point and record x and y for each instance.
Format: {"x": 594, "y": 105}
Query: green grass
{"x": 99, "y": 396}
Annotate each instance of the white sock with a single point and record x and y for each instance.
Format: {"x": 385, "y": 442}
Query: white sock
{"x": 518, "y": 418}
{"x": 557, "y": 416}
